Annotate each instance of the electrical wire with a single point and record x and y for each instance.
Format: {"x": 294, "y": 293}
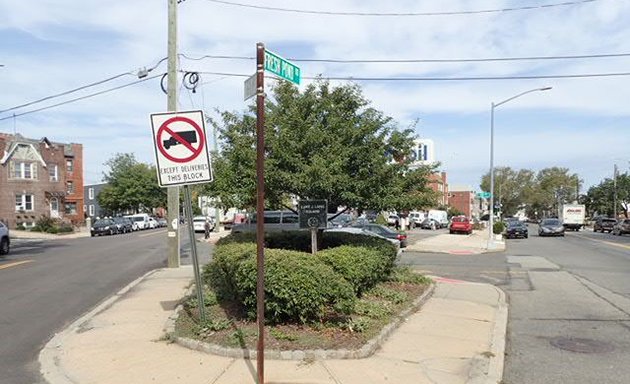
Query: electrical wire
{"x": 403, "y": 14}
{"x": 481, "y": 78}
{"x": 130, "y": 73}
{"x": 82, "y": 97}
{"x": 377, "y": 61}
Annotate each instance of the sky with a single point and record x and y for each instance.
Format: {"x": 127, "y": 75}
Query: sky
{"x": 582, "y": 123}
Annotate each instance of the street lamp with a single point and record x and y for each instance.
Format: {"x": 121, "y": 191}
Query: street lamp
{"x": 492, "y": 107}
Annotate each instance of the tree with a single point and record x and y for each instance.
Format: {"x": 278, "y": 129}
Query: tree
{"x": 600, "y": 198}
{"x": 512, "y": 188}
{"x": 324, "y": 143}
{"x": 132, "y": 186}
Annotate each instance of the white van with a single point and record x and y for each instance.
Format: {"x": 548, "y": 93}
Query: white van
{"x": 416, "y": 218}
{"x": 140, "y": 221}
{"x": 441, "y": 217}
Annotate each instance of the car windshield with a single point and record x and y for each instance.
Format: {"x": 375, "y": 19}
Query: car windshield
{"x": 551, "y": 222}
{"x": 138, "y": 219}
{"x": 102, "y": 222}
{"x": 514, "y": 223}
{"x": 459, "y": 219}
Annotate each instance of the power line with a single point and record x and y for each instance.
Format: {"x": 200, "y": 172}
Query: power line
{"x": 403, "y": 14}
{"x": 480, "y": 78}
{"x": 130, "y": 73}
{"x": 456, "y": 60}
{"x": 82, "y": 97}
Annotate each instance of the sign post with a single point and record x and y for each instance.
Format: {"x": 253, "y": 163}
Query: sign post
{"x": 181, "y": 157}
{"x": 313, "y": 215}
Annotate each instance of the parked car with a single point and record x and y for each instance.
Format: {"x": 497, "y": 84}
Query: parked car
{"x": 274, "y": 221}
{"x": 604, "y": 224}
{"x": 550, "y": 227}
{"x": 199, "y": 223}
{"x": 343, "y": 220}
{"x": 623, "y": 226}
{"x": 363, "y": 231}
{"x": 415, "y": 219}
{"x": 162, "y": 222}
{"x": 393, "y": 219}
{"x": 123, "y": 224}
{"x": 460, "y": 224}
{"x": 5, "y": 241}
{"x": 516, "y": 229}
{"x": 429, "y": 224}
{"x": 103, "y": 227}
{"x": 385, "y": 232}
{"x": 153, "y": 223}
{"x": 141, "y": 220}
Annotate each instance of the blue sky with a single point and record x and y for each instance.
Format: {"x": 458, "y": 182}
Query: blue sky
{"x": 51, "y": 46}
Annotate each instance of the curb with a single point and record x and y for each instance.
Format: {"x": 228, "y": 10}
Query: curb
{"x": 366, "y": 350}
{"x": 48, "y": 358}
{"x": 488, "y": 368}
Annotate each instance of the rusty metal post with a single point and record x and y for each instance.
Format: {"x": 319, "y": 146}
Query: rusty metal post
{"x": 260, "y": 208}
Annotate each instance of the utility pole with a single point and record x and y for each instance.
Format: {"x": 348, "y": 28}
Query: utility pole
{"x": 172, "y": 192}
{"x": 615, "y": 191}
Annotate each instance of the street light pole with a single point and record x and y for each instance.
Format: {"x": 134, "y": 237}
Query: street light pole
{"x": 492, "y": 107}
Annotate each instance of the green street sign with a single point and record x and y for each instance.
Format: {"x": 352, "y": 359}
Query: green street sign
{"x": 281, "y": 67}
{"x": 483, "y": 195}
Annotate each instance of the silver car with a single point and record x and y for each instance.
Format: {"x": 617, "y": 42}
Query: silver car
{"x": 550, "y": 227}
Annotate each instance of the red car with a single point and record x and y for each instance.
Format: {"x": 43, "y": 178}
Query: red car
{"x": 460, "y": 224}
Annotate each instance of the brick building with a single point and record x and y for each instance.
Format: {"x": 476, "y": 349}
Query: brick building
{"x": 40, "y": 178}
{"x": 438, "y": 183}
{"x": 465, "y": 199}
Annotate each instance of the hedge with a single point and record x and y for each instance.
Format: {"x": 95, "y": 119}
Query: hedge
{"x": 362, "y": 267}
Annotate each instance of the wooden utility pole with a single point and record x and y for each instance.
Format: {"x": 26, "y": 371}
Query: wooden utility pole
{"x": 172, "y": 192}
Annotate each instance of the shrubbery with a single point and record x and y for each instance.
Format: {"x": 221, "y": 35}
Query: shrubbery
{"x": 498, "y": 227}
{"x": 50, "y": 225}
{"x": 299, "y": 287}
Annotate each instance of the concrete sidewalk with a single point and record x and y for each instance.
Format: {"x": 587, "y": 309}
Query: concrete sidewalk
{"x": 458, "y": 336}
{"x": 457, "y": 244}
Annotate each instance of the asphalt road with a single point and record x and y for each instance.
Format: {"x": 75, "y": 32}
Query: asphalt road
{"x": 569, "y": 304}
{"x": 47, "y": 284}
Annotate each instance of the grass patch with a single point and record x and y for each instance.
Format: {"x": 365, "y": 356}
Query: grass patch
{"x": 376, "y": 308}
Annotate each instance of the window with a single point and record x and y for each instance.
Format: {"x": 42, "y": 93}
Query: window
{"x": 91, "y": 193}
{"x": 53, "y": 174}
{"x": 290, "y": 217}
{"x": 272, "y": 218}
{"x": 69, "y": 165}
{"x": 22, "y": 170}
{"x": 91, "y": 210}
{"x": 69, "y": 187}
{"x": 71, "y": 208}
{"x": 24, "y": 202}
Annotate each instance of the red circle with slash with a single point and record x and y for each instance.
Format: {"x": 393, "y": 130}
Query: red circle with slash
{"x": 195, "y": 151}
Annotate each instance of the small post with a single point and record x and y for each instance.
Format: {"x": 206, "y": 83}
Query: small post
{"x": 313, "y": 240}
{"x": 193, "y": 252}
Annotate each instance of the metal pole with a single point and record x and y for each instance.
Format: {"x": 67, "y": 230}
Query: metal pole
{"x": 172, "y": 192}
{"x": 260, "y": 208}
{"x": 491, "y": 222}
{"x": 193, "y": 252}
{"x": 217, "y": 214}
{"x": 313, "y": 240}
{"x": 615, "y": 191}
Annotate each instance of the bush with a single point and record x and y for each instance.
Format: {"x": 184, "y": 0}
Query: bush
{"x": 498, "y": 227}
{"x": 298, "y": 287}
{"x": 380, "y": 219}
{"x": 220, "y": 274}
{"x": 362, "y": 267}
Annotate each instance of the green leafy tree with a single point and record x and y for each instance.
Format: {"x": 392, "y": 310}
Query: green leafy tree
{"x": 512, "y": 188}
{"x": 600, "y": 198}
{"x": 324, "y": 143}
{"x": 132, "y": 186}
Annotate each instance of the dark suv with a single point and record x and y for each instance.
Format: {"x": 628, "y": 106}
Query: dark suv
{"x": 604, "y": 224}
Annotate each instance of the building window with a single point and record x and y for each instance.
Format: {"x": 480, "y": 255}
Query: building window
{"x": 22, "y": 170}
{"x": 71, "y": 208}
{"x": 69, "y": 165}
{"x": 53, "y": 172}
{"x": 91, "y": 213}
{"x": 69, "y": 187}
{"x": 91, "y": 193}
{"x": 24, "y": 202}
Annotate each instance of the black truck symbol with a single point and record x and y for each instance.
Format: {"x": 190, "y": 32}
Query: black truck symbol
{"x": 189, "y": 136}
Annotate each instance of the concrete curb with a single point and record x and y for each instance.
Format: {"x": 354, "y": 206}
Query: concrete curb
{"x": 320, "y": 354}
{"x": 488, "y": 368}
{"x": 48, "y": 358}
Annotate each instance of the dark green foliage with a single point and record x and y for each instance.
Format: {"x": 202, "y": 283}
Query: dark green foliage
{"x": 50, "y": 225}
{"x": 362, "y": 267}
{"x": 220, "y": 274}
{"x": 298, "y": 287}
{"x": 498, "y": 227}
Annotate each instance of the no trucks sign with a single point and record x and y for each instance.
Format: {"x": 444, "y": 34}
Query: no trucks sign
{"x": 181, "y": 148}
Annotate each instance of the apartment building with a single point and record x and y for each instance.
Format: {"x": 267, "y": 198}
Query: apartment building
{"x": 92, "y": 208}
{"x": 465, "y": 199}
{"x": 40, "y": 178}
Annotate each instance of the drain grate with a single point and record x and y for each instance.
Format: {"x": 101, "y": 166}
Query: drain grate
{"x": 579, "y": 345}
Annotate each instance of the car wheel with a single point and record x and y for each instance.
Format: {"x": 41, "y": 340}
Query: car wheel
{"x": 4, "y": 246}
